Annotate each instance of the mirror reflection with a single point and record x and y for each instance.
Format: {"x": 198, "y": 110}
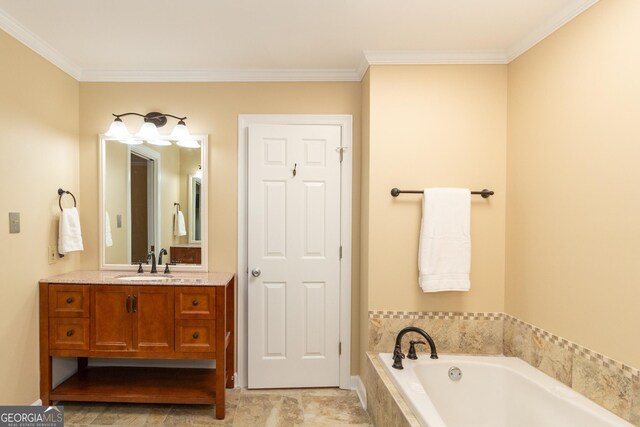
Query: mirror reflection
{"x": 152, "y": 200}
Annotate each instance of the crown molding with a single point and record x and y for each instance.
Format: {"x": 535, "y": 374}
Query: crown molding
{"x": 256, "y": 75}
{"x": 429, "y": 57}
{"x": 551, "y": 25}
{"x": 35, "y": 43}
{"x": 368, "y": 57}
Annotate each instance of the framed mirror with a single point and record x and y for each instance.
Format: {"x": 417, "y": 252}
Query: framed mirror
{"x": 153, "y": 197}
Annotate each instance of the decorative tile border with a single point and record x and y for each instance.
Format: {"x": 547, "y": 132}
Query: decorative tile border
{"x": 590, "y": 355}
{"x": 444, "y": 315}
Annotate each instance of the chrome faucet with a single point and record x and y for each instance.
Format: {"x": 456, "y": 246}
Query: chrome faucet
{"x": 152, "y": 255}
{"x": 162, "y": 251}
{"x": 397, "y": 351}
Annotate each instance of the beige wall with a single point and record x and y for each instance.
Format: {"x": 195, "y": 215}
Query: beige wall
{"x": 573, "y": 180}
{"x": 213, "y": 109}
{"x": 434, "y": 126}
{"x": 39, "y": 122}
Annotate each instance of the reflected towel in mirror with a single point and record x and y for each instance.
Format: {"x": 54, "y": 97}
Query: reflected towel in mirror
{"x": 108, "y": 241}
{"x": 179, "y": 228}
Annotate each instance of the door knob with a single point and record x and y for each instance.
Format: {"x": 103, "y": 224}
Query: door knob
{"x": 256, "y": 272}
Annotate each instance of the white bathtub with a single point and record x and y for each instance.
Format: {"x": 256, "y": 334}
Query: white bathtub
{"x": 494, "y": 391}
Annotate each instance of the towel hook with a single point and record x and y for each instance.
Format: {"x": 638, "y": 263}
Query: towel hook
{"x": 61, "y": 192}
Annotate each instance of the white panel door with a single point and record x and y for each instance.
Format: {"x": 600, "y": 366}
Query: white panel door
{"x": 293, "y": 256}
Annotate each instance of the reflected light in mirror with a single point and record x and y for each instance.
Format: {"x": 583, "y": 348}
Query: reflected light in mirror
{"x": 188, "y": 143}
{"x": 161, "y": 142}
{"x": 130, "y": 141}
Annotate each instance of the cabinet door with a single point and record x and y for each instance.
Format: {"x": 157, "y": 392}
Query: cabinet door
{"x": 111, "y": 318}
{"x": 153, "y": 321}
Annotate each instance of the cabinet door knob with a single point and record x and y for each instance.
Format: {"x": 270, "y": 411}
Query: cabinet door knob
{"x": 70, "y": 333}
{"x": 195, "y": 335}
{"x": 194, "y": 302}
{"x": 69, "y": 300}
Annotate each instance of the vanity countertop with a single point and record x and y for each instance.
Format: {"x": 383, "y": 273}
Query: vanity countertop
{"x": 106, "y": 277}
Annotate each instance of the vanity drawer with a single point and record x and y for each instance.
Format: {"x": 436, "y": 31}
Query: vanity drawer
{"x": 195, "y": 336}
{"x": 68, "y": 333}
{"x": 195, "y": 302}
{"x": 69, "y": 301}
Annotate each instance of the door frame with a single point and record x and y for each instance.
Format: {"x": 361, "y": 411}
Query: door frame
{"x": 346, "y": 124}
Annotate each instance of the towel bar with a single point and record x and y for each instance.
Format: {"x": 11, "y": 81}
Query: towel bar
{"x": 396, "y": 192}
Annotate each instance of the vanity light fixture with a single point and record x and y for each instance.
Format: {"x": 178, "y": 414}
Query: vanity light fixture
{"x": 149, "y": 130}
{"x": 198, "y": 173}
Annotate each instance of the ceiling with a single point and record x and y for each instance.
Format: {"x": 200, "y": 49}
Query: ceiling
{"x": 258, "y": 40}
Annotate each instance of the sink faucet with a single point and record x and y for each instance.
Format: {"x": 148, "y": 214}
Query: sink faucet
{"x": 162, "y": 251}
{"x": 397, "y": 351}
{"x": 152, "y": 255}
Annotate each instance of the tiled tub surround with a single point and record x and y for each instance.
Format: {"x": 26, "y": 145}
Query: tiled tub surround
{"x": 607, "y": 382}
{"x": 385, "y": 405}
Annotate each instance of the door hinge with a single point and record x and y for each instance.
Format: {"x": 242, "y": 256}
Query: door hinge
{"x": 339, "y": 349}
{"x": 340, "y": 252}
{"x": 341, "y": 150}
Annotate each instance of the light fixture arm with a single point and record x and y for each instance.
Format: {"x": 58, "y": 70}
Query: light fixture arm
{"x": 158, "y": 119}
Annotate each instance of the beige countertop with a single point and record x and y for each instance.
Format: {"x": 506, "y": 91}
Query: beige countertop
{"x": 106, "y": 277}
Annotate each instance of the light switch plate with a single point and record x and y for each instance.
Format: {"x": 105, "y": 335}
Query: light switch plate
{"x": 119, "y": 221}
{"x": 14, "y": 222}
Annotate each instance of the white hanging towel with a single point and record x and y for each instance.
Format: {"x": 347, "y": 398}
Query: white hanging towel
{"x": 108, "y": 241}
{"x": 444, "y": 259}
{"x": 70, "y": 235}
{"x": 179, "y": 229}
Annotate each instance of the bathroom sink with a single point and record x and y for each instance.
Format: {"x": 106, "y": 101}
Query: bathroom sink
{"x": 145, "y": 278}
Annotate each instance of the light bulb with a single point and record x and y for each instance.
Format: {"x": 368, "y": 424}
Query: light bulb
{"x": 148, "y": 131}
{"x": 180, "y": 131}
{"x": 118, "y": 130}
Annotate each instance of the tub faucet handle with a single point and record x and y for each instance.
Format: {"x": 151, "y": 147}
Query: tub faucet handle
{"x": 398, "y": 355}
{"x": 412, "y": 349}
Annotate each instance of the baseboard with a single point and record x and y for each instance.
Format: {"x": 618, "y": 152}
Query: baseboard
{"x": 37, "y": 403}
{"x": 358, "y": 386}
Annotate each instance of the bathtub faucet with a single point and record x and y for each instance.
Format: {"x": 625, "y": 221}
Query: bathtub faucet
{"x": 397, "y": 351}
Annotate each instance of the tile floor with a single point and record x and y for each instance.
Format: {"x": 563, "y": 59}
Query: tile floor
{"x": 327, "y": 407}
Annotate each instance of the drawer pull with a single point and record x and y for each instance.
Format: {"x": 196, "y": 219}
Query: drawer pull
{"x": 194, "y": 302}
{"x": 70, "y": 300}
{"x": 195, "y": 335}
{"x": 70, "y": 333}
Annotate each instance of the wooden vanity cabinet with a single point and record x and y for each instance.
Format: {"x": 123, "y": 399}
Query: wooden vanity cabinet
{"x": 134, "y": 318}
{"x": 138, "y": 321}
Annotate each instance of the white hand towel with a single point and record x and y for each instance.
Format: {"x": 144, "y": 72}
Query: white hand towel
{"x": 108, "y": 241}
{"x": 179, "y": 229}
{"x": 70, "y": 235}
{"x": 445, "y": 242}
